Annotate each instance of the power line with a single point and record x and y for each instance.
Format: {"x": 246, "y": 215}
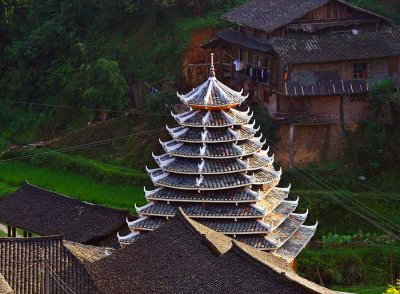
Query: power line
{"x": 327, "y": 193}
{"x": 380, "y": 224}
{"x": 58, "y": 279}
{"x": 71, "y": 148}
{"x": 83, "y": 108}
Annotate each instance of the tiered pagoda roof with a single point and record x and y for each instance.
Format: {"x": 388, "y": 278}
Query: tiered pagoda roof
{"x": 218, "y": 170}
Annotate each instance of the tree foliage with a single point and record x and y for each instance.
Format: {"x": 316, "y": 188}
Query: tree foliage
{"x": 106, "y": 86}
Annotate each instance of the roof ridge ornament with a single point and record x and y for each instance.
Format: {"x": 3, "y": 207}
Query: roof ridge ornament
{"x": 212, "y": 68}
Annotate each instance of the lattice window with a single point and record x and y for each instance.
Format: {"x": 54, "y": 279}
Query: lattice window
{"x": 360, "y": 70}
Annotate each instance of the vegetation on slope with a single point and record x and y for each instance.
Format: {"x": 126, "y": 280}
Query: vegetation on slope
{"x": 349, "y": 267}
{"x": 119, "y": 196}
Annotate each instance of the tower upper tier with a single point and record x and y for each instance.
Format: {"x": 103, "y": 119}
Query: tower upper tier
{"x": 213, "y": 95}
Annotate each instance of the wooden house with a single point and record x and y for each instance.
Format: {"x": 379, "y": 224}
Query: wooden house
{"x": 310, "y": 60}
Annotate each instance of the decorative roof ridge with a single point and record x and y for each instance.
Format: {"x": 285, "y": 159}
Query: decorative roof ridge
{"x": 5, "y": 287}
{"x": 250, "y": 253}
{"x": 201, "y": 232}
{"x": 87, "y": 254}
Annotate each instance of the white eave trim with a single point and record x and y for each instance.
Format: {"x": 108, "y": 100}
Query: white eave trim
{"x": 268, "y": 227}
{"x": 139, "y": 209}
{"x": 149, "y": 193}
{"x": 132, "y": 223}
{"x": 125, "y": 239}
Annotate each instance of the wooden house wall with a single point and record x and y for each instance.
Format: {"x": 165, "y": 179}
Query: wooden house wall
{"x": 377, "y": 67}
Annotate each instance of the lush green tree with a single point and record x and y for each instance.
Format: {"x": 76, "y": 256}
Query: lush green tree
{"x": 106, "y": 86}
{"x": 383, "y": 100}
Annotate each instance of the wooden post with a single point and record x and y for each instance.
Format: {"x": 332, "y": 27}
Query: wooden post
{"x": 341, "y": 113}
{"x": 291, "y": 145}
{"x": 291, "y": 136}
{"x": 9, "y": 231}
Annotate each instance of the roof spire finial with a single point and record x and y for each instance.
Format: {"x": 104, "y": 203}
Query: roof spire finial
{"x": 212, "y": 69}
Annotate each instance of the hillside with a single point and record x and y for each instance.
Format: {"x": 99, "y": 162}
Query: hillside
{"x": 89, "y": 54}
{"x": 75, "y": 74}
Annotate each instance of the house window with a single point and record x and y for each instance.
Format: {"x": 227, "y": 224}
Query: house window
{"x": 360, "y": 70}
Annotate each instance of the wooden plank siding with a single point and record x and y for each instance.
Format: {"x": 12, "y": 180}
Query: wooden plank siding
{"x": 376, "y": 67}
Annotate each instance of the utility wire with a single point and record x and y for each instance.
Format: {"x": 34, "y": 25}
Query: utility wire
{"x": 317, "y": 180}
{"x": 58, "y": 279}
{"x": 347, "y": 206}
{"x": 80, "y": 146}
{"x": 342, "y": 203}
{"x": 83, "y": 108}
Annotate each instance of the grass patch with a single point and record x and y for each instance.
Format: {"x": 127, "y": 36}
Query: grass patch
{"x": 6, "y": 189}
{"x": 96, "y": 170}
{"x": 77, "y": 186}
{"x": 361, "y": 290}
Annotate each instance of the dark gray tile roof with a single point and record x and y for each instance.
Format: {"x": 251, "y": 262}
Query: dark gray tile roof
{"x": 212, "y": 93}
{"x": 196, "y": 210}
{"x": 211, "y": 166}
{"x": 184, "y": 257}
{"x": 256, "y": 241}
{"x": 217, "y": 181}
{"x": 234, "y": 227}
{"x": 215, "y": 135}
{"x": 237, "y": 272}
{"x": 236, "y": 37}
{"x": 231, "y": 195}
{"x": 222, "y": 150}
{"x": 338, "y": 47}
{"x": 217, "y": 118}
{"x": 147, "y": 224}
{"x": 225, "y": 226}
{"x": 22, "y": 261}
{"x": 47, "y": 213}
{"x": 269, "y": 15}
{"x": 151, "y": 263}
{"x": 214, "y": 181}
